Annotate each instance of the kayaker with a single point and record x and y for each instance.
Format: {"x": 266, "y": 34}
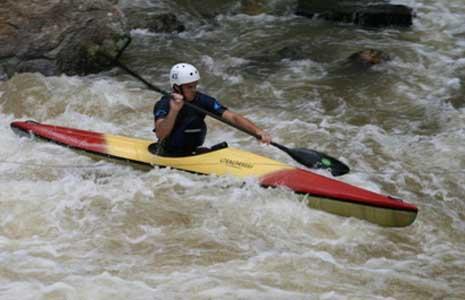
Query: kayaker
{"x": 181, "y": 129}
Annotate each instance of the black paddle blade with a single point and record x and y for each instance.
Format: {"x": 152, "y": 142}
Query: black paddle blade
{"x": 317, "y": 160}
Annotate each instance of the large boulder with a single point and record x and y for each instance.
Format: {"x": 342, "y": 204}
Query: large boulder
{"x": 59, "y": 36}
{"x": 370, "y": 13}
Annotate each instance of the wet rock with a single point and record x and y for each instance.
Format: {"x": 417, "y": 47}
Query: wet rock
{"x": 53, "y": 37}
{"x": 457, "y": 102}
{"x": 206, "y": 10}
{"x": 253, "y": 7}
{"x": 153, "y": 20}
{"x": 367, "y": 58}
{"x": 353, "y": 72}
{"x": 3, "y": 75}
{"x": 457, "y": 87}
{"x": 274, "y": 55}
{"x": 294, "y": 52}
{"x": 264, "y": 61}
{"x": 370, "y": 13}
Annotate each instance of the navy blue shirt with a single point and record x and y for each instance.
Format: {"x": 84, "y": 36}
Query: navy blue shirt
{"x": 189, "y": 129}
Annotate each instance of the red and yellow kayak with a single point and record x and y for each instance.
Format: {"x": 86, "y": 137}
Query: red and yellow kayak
{"x": 323, "y": 193}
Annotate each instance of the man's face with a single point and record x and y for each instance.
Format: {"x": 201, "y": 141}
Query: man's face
{"x": 189, "y": 90}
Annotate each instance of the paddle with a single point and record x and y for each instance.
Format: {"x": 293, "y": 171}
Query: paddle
{"x": 307, "y": 157}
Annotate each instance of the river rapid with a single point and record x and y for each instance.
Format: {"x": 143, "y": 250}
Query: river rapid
{"x": 76, "y": 228}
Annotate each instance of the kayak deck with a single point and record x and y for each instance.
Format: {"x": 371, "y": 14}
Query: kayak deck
{"x": 323, "y": 193}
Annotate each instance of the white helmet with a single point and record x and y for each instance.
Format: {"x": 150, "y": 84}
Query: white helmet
{"x": 183, "y": 73}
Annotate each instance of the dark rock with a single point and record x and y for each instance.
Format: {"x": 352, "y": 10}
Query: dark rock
{"x": 263, "y": 61}
{"x": 46, "y": 66}
{"x": 53, "y": 37}
{"x": 457, "y": 97}
{"x": 3, "y": 75}
{"x": 153, "y": 20}
{"x": 457, "y": 102}
{"x": 377, "y": 13}
{"x": 275, "y": 54}
{"x": 253, "y": 7}
{"x": 206, "y": 9}
{"x": 368, "y": 57}
{"x": 294, "y": 52}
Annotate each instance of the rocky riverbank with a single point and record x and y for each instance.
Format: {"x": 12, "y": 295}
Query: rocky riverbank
{"x": 66, "y": 36}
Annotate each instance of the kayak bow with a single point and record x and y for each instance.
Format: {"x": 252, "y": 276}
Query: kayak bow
{"x": 323, "y": 193}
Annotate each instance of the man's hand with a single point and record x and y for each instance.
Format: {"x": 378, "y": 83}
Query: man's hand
{"x": 265, "y": 137}
{"x": 177, "y": 102}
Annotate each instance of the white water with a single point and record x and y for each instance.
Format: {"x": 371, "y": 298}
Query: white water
{"x": 76, "y": 228}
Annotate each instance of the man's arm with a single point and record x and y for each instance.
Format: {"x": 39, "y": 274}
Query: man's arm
{"x": 164, "y": 126}
{"x": 245, "y": 123}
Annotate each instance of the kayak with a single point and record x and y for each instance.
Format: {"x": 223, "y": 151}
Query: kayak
{"x": 322, "y": 192}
